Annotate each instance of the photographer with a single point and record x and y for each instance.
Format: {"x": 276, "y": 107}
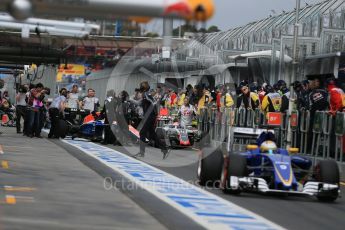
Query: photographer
{"x": 43, "y": 109}
{"x": 35, "y": 106}
{"x": 56, "y": 112}
{"x": 21, "y": 105}
{"x": 148, "y": 122}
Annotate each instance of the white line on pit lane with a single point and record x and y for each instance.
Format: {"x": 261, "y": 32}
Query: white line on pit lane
{"x": 205, "y": 208}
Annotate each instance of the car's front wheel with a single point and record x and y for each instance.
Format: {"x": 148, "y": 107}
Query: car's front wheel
{"x": 327, "y": 171}
{"x": 236, "y": 166}
{"x": 210, "y": 167}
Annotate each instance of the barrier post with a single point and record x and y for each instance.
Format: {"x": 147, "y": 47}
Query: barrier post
{"x": 200, "y": 118}
{"x": 217, "y": 115}
{"x": 242, "y": 116}
{"x": 294, "y": 125}
{"x": 326, "y": 129}
{"x": 339, "y": 133}
{"x": 250, "y": 118}
{"x": 317, "y": 130}
{"x": 223, "y": 126}
{"x": 212, "y": 123}
{"x": 283, "y": 129}
{"x": 257, "y": 118}
{"x": 304, "y": 128}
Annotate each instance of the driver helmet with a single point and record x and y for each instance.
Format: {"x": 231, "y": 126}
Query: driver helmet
{"x": 267, "y": 146}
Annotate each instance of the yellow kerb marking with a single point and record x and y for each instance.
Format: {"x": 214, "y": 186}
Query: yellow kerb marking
{"x": 18, "y": 189}
{"x": 11, "y": 199}
{"x": 4, "y": 164}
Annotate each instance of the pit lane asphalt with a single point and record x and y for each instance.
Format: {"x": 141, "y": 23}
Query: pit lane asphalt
{"x": 287, "y": 211}
{"x": 42, "y": 186}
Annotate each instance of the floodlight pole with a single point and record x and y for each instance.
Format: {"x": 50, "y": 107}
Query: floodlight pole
{"x": 294, "y": 70}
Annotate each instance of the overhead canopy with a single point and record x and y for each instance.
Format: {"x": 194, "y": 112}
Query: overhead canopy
{"x": 215, "y": 69}
{"x": 261, "y": 54}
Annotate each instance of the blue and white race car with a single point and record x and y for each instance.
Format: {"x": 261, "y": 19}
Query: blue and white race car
{"x": 267, "y": 169}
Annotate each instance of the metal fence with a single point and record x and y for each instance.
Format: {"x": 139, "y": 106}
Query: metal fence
{"x": 320, "y": 135}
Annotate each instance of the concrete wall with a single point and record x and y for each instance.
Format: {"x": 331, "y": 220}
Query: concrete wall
{"x": 99, "y": 81}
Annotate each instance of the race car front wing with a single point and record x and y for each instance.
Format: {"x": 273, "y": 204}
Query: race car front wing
{"x": 310, "y": 188}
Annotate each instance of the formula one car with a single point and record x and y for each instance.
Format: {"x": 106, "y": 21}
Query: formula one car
{"x": 179, "y": 136}
{"x": 91, "y": 127}
{"x": 267, "y": 169}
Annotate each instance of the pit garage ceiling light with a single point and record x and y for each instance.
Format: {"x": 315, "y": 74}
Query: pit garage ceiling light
{"x": 64, "y": 25}
{"x": 44, "y": 29}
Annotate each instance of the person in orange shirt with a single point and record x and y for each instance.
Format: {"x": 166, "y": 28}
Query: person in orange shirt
{"x": 219, "y": 96}
{"x": 173, "y": 98}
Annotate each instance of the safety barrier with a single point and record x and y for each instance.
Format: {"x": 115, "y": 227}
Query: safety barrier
{"x": 317, "y": 135}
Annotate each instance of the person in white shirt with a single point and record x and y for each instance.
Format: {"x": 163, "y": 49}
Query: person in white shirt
{"x": 73, "y": 98}
{"x": 56, "y": 109}
{"x": 186, "y": 113}
{"x": 21, "y": 105}
{"x": 91, "y": 102}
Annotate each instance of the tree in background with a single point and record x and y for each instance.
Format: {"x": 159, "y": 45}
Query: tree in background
{"x": 151, "y": 35}
{"x": 193, "y": 29}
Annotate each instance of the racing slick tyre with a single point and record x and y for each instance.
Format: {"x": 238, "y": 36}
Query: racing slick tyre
{"x": 103, "y": 137}
{"x": 210, "y": 168}
{"x": 236, "y": 166}
{"x": 62, "y": 129}
{"x": 162, "y": 139}
{"x": 327, "y": 171}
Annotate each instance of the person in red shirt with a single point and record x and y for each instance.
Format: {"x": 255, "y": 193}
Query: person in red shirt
{"x": 219, "y": 97}
{"x": 173, "y": 98}
{"x": 336, "y": 97}
{"x": 262, "y": 92}
{"x": 336, "y": 104}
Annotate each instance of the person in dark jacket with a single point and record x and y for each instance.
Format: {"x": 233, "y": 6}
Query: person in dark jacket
{"x": 106, "y": 112}
{"x": 318, "y": 101}
{"x": 247, "y": 99}
{"x": 147, "y": 130}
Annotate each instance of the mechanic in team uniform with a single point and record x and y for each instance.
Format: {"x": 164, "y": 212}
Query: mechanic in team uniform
{"x": 301, "y": 103}
{"x": 205, "y": 98}
{"x": 306, "y": 84}
{"x": 285, "y": 95}
{"x": 224, "y": 98}
{"x": 318, "y": 101}
{"x": 272, "y": 101}
{"x": 56, "y": 111}
{"x": 186, "y": 113}
{"x": 247, "y": 99}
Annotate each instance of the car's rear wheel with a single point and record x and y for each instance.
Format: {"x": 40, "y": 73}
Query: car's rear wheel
{"x": 62, "y": 129}
{"x": 327, "y": 171}
{"x": 103, "y": 135}
{"x": 236, "y": 166}
{"x": 210, "y": 168}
